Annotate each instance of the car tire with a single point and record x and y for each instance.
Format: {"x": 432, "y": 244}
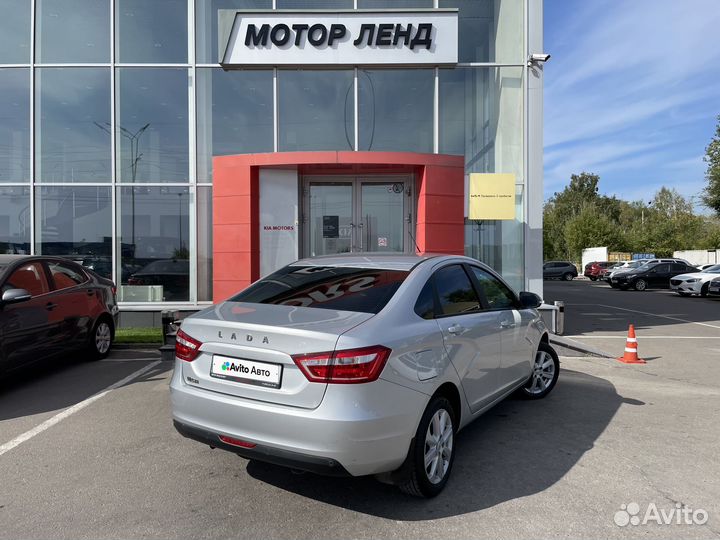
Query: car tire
{"x": 704, "y": 290}
{"x": 592, "y": 278}
{"x": 417, "y": 479}
{"x": 101, "y": 338}
{"x": 546, "y": 370}
{"x": 613, "y": 285}
{"x": 568, "y": 276}
{"x": 640, "y": 285}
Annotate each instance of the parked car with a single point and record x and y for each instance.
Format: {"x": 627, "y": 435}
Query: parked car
{"x": 702, "y": 267}
{"x": 606, "y": 271}
{"x": 559, "y": 270}
{"x": 593, "y": 269}
{"x": 696, "y": 282}
{"x": 359, "y": 365}
{"x": 50, "y": 306}
{"x": 172, "y": 274}
{"x": 624, "y": 267}
{"x": 631, "y": 265}
{"x": 653, "y": 275}
{"x": 714, "y": 287}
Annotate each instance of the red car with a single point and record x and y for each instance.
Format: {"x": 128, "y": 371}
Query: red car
{"x": 596, "y": 269}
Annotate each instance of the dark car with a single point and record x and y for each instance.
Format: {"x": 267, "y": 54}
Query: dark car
{"x": 559, "y": 270}
{"x": 595, "y": 269}
{"x": 651, "y": 276}
{"x": 50, "y": 306}
{"x": 172, "y": 274}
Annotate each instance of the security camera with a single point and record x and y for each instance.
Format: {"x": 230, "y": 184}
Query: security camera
{"x": 537, "y": 58}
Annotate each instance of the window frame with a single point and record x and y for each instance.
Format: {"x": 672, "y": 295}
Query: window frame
{"x": 481, "y": 292}
{"x": 17, "y": 266}
{"x": 438, "y": 306}
{"x": 51, "y": 278}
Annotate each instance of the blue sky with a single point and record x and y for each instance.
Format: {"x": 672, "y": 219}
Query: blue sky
{"x": 632, "y": 93}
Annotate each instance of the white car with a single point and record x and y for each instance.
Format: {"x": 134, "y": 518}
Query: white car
{"x": 695, "y": 283}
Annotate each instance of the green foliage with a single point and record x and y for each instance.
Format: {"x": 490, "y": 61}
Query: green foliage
{"x": 579, "y": 217}
{"x": 181, "y": 253}
{"x": 711, "y": 193}
{"x": 138, "y": 335}
{"x": 591, "y": 228}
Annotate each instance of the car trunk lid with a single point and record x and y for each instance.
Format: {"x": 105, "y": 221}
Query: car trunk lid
{"x": 237, "y": 337}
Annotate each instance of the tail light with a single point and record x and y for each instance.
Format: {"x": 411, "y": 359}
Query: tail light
{"x": 114, "y": 291}
{"x": 186, "y": 348}
{"x": 350, "y": 366}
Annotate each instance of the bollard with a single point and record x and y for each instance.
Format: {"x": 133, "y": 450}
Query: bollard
{"x": 560, "y": 317}
{"x": 169, "y": 330}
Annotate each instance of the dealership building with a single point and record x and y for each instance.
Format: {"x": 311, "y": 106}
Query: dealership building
{"x": 186, "y": 148}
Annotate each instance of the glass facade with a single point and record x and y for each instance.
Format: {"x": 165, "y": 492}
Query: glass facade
{"x": 106, "y": 147}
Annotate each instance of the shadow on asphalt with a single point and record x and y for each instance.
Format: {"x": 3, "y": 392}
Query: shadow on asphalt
{"x": 52, "y": 385}
{"x": 516, "y": 449}
{"x": 587, "y": 308}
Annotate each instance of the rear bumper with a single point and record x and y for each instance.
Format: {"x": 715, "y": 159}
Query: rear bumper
{"x": 358, "y": 429}
{"x": 293, "y": 460}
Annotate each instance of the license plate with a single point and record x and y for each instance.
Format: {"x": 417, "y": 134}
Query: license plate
{"x": 246, "y": 371}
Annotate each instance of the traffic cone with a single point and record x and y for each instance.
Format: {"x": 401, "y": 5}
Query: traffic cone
{"x": 631, "y": 356}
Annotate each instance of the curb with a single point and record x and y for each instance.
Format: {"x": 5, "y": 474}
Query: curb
{"x": 579, "y": 347}
{"x": 136, "y": 346}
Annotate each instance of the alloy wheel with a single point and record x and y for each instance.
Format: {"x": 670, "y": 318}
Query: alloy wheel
{"x": 542, "y": 374}
{"x": 438, "y": 446}
{"x": 103, "y": 336}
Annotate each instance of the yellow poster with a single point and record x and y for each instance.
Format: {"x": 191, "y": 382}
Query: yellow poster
{"x": 491, "y": 196}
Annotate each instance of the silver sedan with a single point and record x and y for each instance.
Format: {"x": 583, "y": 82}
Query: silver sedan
{"x": 359, "y": 364}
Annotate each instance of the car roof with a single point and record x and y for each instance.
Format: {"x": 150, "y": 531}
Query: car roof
{"x": 9, "y": 259}
{"x": 384, "y": 261}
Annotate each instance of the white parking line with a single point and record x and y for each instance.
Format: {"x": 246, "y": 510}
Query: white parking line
{"x": 661, "y": 316}
{"x": 50, "y": 422}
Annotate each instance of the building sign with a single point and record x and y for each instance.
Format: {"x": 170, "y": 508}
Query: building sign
{"x": 331, "y": 226}
{"x": 278, "y": 219}
{"x": 350, "y": 38}
{"x": 491, "y": 196}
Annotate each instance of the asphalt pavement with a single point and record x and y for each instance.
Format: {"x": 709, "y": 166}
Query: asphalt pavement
{"x": 677, "y": 336}
{"x": 87, "y": 450}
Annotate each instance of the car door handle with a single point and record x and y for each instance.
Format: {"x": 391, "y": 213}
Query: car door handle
{"x": 50, "y": 306}
{"x": 456, "y": 329}
{"x": 507, "y": 324}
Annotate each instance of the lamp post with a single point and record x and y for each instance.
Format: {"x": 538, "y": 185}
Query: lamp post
{"x": 135, "y": 157}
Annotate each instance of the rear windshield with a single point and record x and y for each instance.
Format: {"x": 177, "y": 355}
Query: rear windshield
{"x": 366, "y": 290}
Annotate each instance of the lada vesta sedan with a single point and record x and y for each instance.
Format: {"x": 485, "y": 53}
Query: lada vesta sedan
{"x": 364, "y": 364}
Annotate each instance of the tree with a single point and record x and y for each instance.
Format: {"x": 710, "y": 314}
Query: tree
{"x": 711, "y": 193}
{"x": 591, "y": 228}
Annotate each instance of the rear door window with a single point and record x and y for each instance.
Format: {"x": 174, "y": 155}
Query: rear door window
{"x": 366, "y": 290}
{"x": 455, "y": 291}
{"x": 65, "y": 276}
{"x": 425, "y": 305}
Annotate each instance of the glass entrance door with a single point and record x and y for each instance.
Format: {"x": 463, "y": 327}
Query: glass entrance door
{"x": 348, "y": 214}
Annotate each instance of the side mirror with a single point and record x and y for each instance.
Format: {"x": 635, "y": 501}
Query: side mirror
{"x": 529, "y": 300}
{"x": 13, "y": 296}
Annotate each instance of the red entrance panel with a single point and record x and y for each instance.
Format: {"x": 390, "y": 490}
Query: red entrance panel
{"x": 236, "y": 224}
